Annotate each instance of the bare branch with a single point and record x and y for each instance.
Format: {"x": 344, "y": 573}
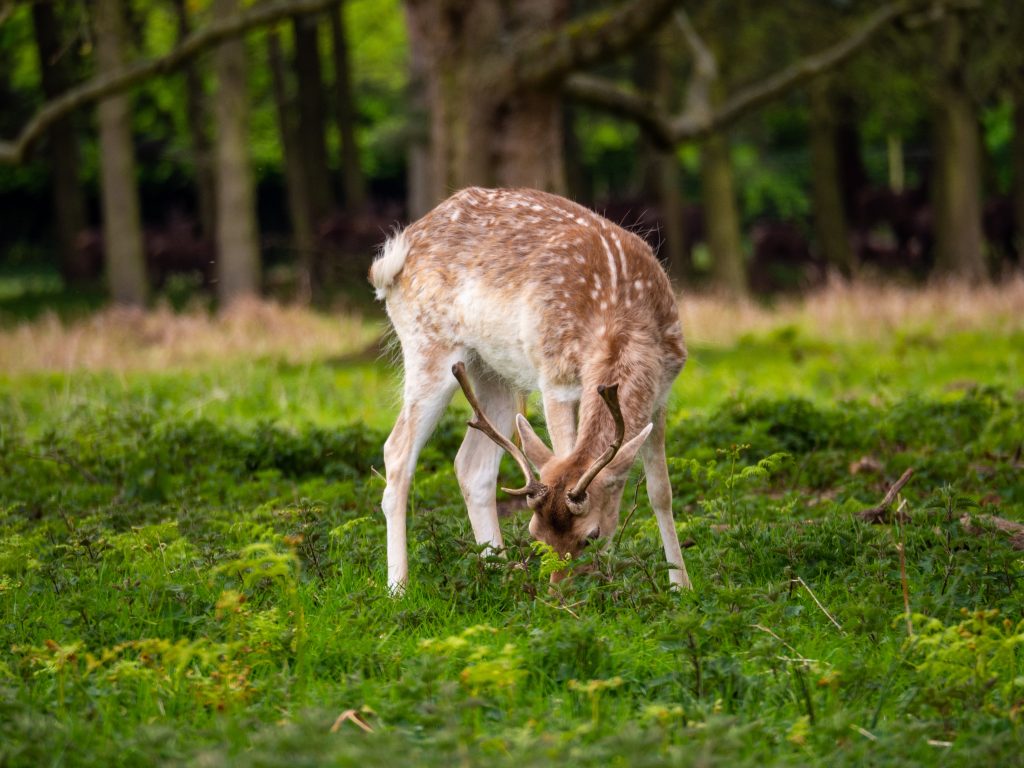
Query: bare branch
{"x": 754, "y": 96}
{"x": 212, "y": 34}
{"x": 623, "y": 102}
{"x": 581, "y": 43}
{"x": 705, "y": 70}
{"x": 699, "y": 119}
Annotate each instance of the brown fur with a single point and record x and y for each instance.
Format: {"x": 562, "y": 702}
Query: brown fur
{"x": 595, "y": 299}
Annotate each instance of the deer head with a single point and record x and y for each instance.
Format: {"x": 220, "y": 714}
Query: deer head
{"x": 574, "y": 499}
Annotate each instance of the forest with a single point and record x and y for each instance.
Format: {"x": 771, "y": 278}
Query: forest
{"x": 197, "y": 385}
{"x": 818, "y": 138}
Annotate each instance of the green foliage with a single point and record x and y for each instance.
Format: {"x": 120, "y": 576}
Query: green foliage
{"x": 197, "y": 578}
{"x": 976, "y": 664}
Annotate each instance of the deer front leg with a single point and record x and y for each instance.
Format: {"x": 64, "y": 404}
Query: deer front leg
{"x": 560, "y": 415}
{"x": 476, "y": 464}
{"x": 424, "y": 400}
{"x": 659, "y": 492}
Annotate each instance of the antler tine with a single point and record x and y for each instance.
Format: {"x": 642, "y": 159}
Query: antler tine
{"x": 610, "y": 395}
{"x": 482, "y": 423}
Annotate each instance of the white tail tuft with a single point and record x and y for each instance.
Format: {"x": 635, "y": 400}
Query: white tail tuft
{"x": 386, "y": 267}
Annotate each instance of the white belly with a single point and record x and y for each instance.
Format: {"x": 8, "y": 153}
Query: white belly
{"x": 501, "y": 334}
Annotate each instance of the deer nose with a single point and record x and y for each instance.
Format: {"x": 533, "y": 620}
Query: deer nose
{"x": 594, "y": 535}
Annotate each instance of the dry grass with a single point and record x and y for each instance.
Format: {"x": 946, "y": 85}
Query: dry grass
{"x": 132, "y": 340}
{"x": 120, "y": 339}
{"x": 866, "y": 312}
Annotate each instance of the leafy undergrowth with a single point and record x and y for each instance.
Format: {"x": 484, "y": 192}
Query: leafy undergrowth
{"x": 204, "y": 586}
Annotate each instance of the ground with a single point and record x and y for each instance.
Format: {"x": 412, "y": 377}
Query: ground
{"x": 192, "y": 553}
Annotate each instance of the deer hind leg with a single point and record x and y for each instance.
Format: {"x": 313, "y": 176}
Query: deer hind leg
{"x": 476, "y": 464}
{"x": 429, "y": 386}
{"x": 659, "y": 492}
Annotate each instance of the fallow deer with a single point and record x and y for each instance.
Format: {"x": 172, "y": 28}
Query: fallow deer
{"x": 512, "y": 291}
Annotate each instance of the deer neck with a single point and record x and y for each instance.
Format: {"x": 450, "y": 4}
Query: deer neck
{"x": 637, "y": 378}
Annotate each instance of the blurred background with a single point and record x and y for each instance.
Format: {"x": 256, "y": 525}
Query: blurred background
{"x": 208, "y": 150}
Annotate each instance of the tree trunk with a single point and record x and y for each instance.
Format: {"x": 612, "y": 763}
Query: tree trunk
{"x": 481, "y": 135}
{"x": 311, "y": 114}
{"x": 957, "y": 146}
{"x": 195, "y": 111}
{"x": 830, "y": 221}
{"x": 721, "y": 216}
{"x": 353, "y": 182}
{"x": 122, "y": 229}
{"x": 420, "y": 195}
{"x": 68, "y": 205}
{"x": 1017, "y": 149}
{"x": 895, "y": 162}
{"x": 238, "y": 266}
{"x": 666, "y": 176}
{"x": 578, "y": 184}
{"x": 299, "y": 209}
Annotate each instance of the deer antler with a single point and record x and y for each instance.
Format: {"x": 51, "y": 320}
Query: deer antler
{"x": 610, "y": 395}
{"x": 482, "y": 423}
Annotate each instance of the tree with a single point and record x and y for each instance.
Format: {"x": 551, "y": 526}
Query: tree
{"x": 493, "y": 73}
{"x": 664, "y": 168}
{"x": 300, "y": 210}
{"x": 353, "y": 183}
{"x": 69, "y": 207}
{"x": 125, "y": 77}
{"x": 311, "y": 113}
{"x": 423, "y": 190}
{"x": 196, "y": 114}
{"x": 238, "y": 266}
{"x": 1018, "y": 167}
{"x": 959, "y": 242}
{"x": 122, "y": 228}
{"x": 707, "y": 114}
{"x": 830, "y": 219}
{"x": 721, "y": 215}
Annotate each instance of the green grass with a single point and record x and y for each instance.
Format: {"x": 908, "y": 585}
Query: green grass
{"x": 192, "y": 571}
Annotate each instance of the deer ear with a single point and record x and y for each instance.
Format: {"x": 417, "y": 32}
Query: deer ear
{"x": 624, "y": 459}
{"x": 534, "y": 448}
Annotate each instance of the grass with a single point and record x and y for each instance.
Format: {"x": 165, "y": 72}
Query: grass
{"x": 192, "y": 554}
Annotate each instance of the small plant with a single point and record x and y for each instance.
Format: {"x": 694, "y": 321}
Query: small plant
{"x": 550, "y": 561}
{"x": 593, "y": 690}
{"x": 977, "y": 663}
{"x": 724, "y": 482}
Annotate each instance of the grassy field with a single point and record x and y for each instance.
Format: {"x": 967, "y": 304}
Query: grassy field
{"x": 192, "y": 553}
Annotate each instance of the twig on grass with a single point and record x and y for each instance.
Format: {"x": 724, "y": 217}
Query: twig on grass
{"x": 817, "y": 602}
{"x": 351, "y": 716}
{"x": 864, "y": 732}
{"x": 878, "y": 513}
{"x": 565, "y": 608}
{"x": 770, "y": 632}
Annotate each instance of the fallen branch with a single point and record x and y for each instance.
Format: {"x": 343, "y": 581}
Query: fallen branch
{"x": 879, "y": 513}
{"x": 1007, "y": 527}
